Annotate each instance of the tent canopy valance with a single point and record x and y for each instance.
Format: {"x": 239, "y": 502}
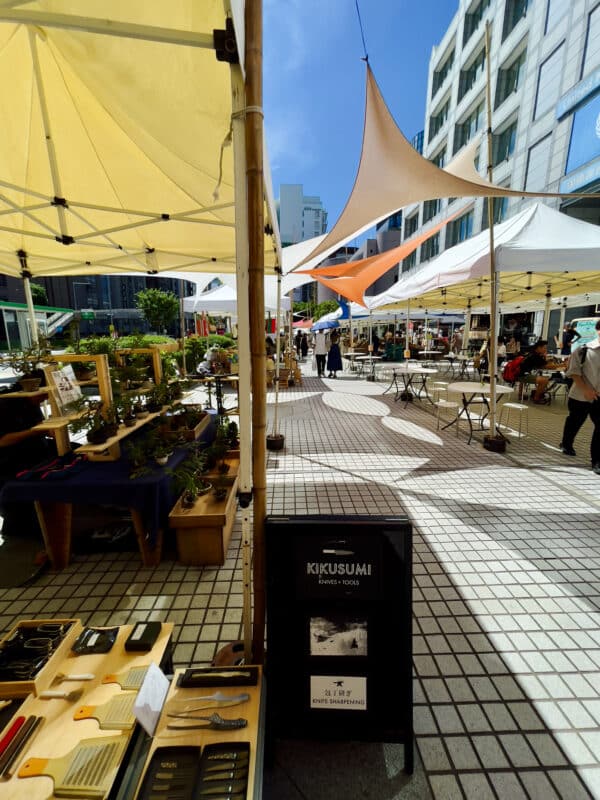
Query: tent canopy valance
{"x": 115, "y": 150}
{"x": 538, "y": 251}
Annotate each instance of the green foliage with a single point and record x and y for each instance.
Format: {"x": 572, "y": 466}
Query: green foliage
{"x": 38, "y": 293}
{"x": 158, "y": 308}
{"x": 326, "y": 307}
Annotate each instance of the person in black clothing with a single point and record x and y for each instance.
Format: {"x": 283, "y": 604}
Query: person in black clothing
{"x": 298, "y": 343}
{"x": 565, "y": 342}
{"x": 304, "y": 346}
{"x": 21, "y": 447}
{"x": 536, "y": 359}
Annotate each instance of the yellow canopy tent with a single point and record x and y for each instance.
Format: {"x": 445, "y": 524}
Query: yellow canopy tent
{"x": 131, "y": 141}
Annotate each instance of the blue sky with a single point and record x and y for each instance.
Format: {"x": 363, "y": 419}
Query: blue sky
{"x": 314, "y": 83}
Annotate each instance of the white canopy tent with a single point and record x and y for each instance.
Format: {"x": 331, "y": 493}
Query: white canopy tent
{"x": 224, "y": 299}
{"x": 539, "y": 252}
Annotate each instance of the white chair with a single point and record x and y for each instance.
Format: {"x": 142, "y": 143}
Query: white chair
{"x": 510, "y": 409}
{"x": 448, "y": 405}
{"x": 439, "y": 388}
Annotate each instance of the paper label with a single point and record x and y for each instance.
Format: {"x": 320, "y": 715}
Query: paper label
{"x": 138, "y": 632}
{"x": 338, "y": 691}
{"x": 151, "y": 697}
{"x": 92, "y": 640}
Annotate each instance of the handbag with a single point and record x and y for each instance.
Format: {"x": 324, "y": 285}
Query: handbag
{"x": 314, "y": 363}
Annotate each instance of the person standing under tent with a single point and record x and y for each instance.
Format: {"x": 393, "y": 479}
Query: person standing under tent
{"x": 304, "y": 346}
{"x": 334, "y": 357}
{"x": 584, "y": 398}
{"x": 565, "y": 341}
{"x": 320, "y": 351}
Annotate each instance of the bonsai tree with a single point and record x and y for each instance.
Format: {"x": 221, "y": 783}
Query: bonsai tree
{"x": 26, "y": 363}
{"x": 158, "y": 308}
{"x": 187, "y": 479}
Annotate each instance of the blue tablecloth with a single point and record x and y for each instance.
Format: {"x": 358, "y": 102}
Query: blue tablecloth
{"x": 108, "y": 483}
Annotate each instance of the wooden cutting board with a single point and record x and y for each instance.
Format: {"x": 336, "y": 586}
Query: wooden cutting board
{"x": 129, "y": 679}
{"x": 86, "y": 771}
{"x": 115, "y": 715}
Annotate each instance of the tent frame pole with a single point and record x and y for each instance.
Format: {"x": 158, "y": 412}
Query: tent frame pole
{"x": 494, "y": 441}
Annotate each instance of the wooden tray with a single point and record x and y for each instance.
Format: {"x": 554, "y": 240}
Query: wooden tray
{"x": 44, "y": 678}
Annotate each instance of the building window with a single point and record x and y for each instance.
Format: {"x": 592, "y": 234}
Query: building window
{"x": 439, "y": 158}
{"x": 430, "y": 247}
{"x": 410, "y": 226}
{"x": 591, "y": 58}
{"x": 548, "y": 88}
{"x": 410, "y": 261}
{"x": 503, "y": 144}
{"x": 500, "y": 210}
{"x": 459, "y": 229}
{"x": 430, "y": 209}
{"x": 417, "y": 141}
{"x": 538, "y": 160}
{"x": 556, "y": 10}
{"x": 469, "y": 76}
{"x": 510, "y": 78}
{"x": 440, "y": 74}
{"x": 473, "y": 18}
{"x": 514, "y": 11}
{"x": 437, "y": 121}
{"x": 464, "y": 131}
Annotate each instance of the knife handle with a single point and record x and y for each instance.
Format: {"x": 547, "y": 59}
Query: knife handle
{"x": 85, "y": 712}
{"x": 10, "y": 734}
{"x": 33, "y": 767}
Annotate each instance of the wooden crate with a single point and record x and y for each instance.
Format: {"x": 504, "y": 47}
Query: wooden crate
{"x": 45, "y": 676}
{"x": 229, "y": 477}
{"x": 203, "y": 532}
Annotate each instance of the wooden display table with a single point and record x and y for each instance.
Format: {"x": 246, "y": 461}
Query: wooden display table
{"x": 253, "y": 733}
{"x": 60, "y": 733}
{"x": 203, "y": 531}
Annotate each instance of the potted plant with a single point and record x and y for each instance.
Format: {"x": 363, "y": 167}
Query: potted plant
{"x": 26, "y": 364}
{"x": 126, "y": 412}
{"x": 220, "y": 489}
{"x": 187, "y": 479}
{"x": 84, "y": 370}
{"x": 162, "y": 452}
{"x": 233, "y": 435}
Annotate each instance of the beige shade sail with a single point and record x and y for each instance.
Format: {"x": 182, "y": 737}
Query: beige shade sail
{"x": 392, "y": 174}
{"x": 539, "y": 253}
{"x": 115, "y": 150}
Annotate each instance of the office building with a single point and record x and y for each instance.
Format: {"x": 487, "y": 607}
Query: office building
{"x": 545, "y": 88}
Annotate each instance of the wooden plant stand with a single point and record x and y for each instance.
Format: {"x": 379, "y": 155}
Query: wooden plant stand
{"x": 203, "y": 532}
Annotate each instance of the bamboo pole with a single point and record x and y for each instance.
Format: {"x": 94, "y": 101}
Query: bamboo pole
{"x": 244, "y": 371}
{"x": 182, "y": 328}
{"x": 254, "y": 174}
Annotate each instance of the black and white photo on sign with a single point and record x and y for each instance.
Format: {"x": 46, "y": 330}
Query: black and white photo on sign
{"x": 338, "y": 635}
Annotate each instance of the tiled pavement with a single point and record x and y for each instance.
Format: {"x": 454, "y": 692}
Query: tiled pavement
{"x": 506, "y": 583}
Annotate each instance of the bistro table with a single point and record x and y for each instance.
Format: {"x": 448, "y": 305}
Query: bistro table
{"x": 408, "y": 373}
{"x": 217, "y": 381}
{"x": 464, "y": 362}
{"x": 430, "y": 355}
{"x": 474, "y": 393}
{"x": 369, "y": 360}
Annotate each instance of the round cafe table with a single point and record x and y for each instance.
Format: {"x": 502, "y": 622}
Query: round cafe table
{"x": 408, "y": 373}
{"x": 474, "y": 393}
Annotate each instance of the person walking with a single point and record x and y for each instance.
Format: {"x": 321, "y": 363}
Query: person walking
{"x": 584, "y": 398}
{"x": 320, "y": 351}
{"x": 298, "y": 343}
{"x": 334, "y": 357}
